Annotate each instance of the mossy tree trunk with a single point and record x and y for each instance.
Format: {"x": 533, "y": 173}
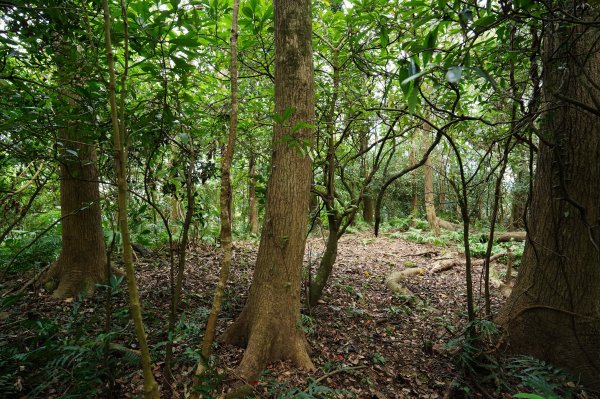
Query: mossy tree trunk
{"x": 553, "y": 312}
{"x": 269, "y": 323}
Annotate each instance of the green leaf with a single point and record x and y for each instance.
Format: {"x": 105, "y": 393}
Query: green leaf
{"x": 302, "y": 125}
{"x": 186, "y": 40}
{"x": 413, "y": 100}
{"x": 415, "y": 76}
{"x": 429, "y": 44}
{"x": 247, "y": 11}
{"x": 528, "y": 396}
{"x": 289, "y": 111}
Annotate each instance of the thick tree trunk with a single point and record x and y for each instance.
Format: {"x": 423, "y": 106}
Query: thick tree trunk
{"x": 368, "y": 209}
{"x": 252, "y": 206}
{"x": 268, "y": 324}
{"x": 554, "y": 310}
{"x": 82, "y": 261}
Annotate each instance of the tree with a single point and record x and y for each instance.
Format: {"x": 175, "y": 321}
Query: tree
{"x": 226, "y": 195}
{"x": 82, "y": 261}
{"x": 268, "y": 324}
{"x": 553, "y": 312}
{"x": 429, "y": 197}
{"x": 151, "y": 390}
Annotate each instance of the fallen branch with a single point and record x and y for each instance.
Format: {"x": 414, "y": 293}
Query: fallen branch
{"x": 504, "y": 288}
{"x": 493, "y": 258}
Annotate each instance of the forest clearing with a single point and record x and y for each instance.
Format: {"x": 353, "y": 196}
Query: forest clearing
{"x": 300, "y": 199}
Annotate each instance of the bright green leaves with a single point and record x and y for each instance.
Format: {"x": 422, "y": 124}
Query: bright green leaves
{"x": 257, "y": 16}
{"x": 429, "y": 44}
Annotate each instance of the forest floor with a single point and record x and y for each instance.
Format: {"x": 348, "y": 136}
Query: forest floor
{"x": 365, "y": 341}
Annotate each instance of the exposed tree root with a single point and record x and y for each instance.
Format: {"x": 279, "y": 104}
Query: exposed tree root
{"x": 393, "y": 280}
{"x": 446, "y": 225}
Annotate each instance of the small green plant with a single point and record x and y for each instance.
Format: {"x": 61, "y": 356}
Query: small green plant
{"x": 544, "y": 380}
{"x": 378, "y": 358}
{"x": 307, "y": 323}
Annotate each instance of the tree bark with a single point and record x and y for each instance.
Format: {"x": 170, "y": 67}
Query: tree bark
{"x": 553, "y": 312}
{"x": 151, "y": 390}
{"x": 226, "y": 198}
{"x": 319, "y": 281}
{"x": 519, "y": 200}
{"x": 268, "y": 325}
{"x": 82, "y": 261}
{"x": 414, "y": 200}
{"x": 429, "y": 198}
{"x": 367, "y": 200}
{"x": 252, "y": 206}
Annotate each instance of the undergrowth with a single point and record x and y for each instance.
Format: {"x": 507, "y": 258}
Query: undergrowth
{"x": 520, "y": 376}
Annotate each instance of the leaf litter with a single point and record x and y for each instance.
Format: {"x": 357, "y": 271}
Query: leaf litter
{"x": 363, "y": 339}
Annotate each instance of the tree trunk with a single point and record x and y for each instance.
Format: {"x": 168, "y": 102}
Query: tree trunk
{"x": 319, "y": 281}
{"x": 442, "y": 181}
{"x": 151, "y": 390}
{"x": 82, "y": 261}
{"x": 252, "y": 206}
{"x": 429, "y": 198}
{"x": 519, "y": 200}
{"x": 553, "y": 312}
{"x": 367, "y": 200}
{"x": 268, "y": 324}
{"x": 414, "y": 201}
{"x": 226, "y": 197}
{"x": 368, "y": 209}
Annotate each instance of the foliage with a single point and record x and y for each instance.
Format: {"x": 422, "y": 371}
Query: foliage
{"x": 25, "y": 251}
{"x": 74, "y": 358}
{"x": 540, "y": 378}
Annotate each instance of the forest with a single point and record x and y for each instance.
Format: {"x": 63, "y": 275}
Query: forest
{"x": 300, "y": 199}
